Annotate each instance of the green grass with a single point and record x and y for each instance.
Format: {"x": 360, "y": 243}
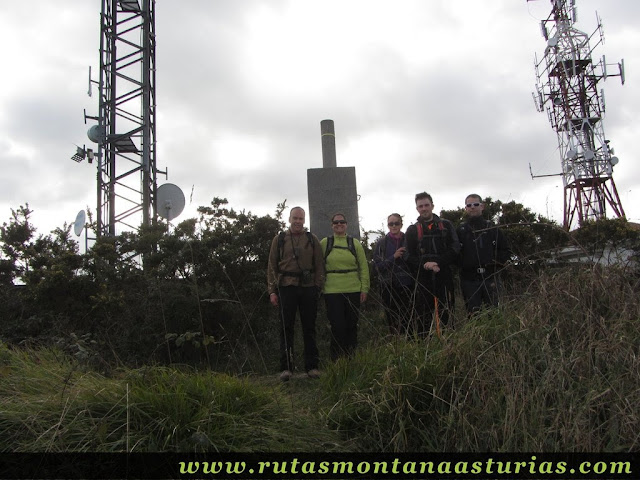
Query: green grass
{"x": 49, "y": 404}
{"x": 556, "y": 368}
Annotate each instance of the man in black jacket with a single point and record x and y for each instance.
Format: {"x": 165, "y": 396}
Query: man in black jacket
{"x": 432, "y": 247}
{"x": 485, "y": 250}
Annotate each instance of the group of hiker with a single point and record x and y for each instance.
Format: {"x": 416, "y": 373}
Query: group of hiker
{"x": 414, "y": 271}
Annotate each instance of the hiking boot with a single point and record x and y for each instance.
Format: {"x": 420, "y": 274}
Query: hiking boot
{"x": 285, "y": 375}
{"x": 314, "y": 373}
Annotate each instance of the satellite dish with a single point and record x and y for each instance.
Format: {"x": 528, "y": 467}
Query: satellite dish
{"x": 170, "y": 201}
{"x": 552, "y": 42}
{"x": 572, "y": 153}
{"x": 614, "y": 161}
{"x": 96, "y": 134}
{"x": 78, "y": 225}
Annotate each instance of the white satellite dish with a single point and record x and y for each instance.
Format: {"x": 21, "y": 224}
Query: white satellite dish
{"x": 78, "y": 225}
{"x": 97, "y": 134}
{"x": 170, "y": 201}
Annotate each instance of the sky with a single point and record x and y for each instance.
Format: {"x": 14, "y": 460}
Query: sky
{"x": 426, "y": 95}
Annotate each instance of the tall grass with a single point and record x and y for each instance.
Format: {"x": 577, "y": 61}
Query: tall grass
{"x": 556, "y": 369}
{"x": 48, "y": 404}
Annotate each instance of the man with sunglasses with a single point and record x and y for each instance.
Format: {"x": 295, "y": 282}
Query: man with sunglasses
{"x": 484, "y": 251}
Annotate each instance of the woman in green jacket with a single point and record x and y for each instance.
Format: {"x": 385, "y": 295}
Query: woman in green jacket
{"x": 346, "y": 286}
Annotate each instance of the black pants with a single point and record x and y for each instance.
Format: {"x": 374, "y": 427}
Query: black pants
{"x": 304, "y": 299}
{"x": 434, "y": 302}
{"x": 478, "y": 290}
{"x": 343, "y": 311}
{"x": 397, "y": 304}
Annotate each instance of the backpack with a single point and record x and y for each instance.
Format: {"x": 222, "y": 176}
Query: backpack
{"x": 281, "y": 236}
{"x": 379, "y": 249}
{"x": 467, "y": 236}
{"x": 350, "y": 246}
{"x": 465, "y": 230}
{"x": 421, "y": 233}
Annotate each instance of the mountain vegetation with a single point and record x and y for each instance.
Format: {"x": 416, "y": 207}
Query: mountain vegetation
{"x": 164, "y": 340}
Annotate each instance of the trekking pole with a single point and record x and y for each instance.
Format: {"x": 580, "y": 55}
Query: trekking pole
{"x": 438, "y": 331}
{"x": 435, "y": 304}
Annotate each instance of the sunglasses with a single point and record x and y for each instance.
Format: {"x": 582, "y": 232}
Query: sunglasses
{"x": 394, "y": 224}
{"x": 476, "y": 204}
{"x": 339, "y": 222}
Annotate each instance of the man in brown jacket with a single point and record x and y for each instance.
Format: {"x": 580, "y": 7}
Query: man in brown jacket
{"x": 295, "y": 278}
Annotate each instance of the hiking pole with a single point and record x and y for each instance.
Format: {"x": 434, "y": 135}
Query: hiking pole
{"x": 435, "y": 304}
{"x": 438, "y": 331}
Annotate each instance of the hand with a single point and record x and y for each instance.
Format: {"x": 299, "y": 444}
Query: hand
{"x": 273, "y": 298}
{"x": 363, "y": 297}
{"x": 399, "y": 252}
{"x": 433, "y": 266}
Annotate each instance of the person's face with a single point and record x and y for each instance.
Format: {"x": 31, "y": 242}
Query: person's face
{"x": 473, "y": 206}
{"x": 339, "y": 225}
{"x": 296, "y": 219}
{"x": 395, "y": 224}
{"x": 425, "y": 208}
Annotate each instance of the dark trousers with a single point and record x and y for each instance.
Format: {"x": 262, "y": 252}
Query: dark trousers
{"x": 305, "y": 300}
{"x": 343, "y": 311}
{"x": 479, "y": 290}
{"x": 434, "y": 303}
{"x": 397, "y": 304}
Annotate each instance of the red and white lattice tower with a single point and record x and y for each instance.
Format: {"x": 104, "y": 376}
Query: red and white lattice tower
{"x": 567, "y": 80}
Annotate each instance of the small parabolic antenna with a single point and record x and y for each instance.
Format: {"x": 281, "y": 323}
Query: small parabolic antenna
{"x": 97, "y": 134}
{"x": 170, "y": 201}
{"x": 78, "y": 225}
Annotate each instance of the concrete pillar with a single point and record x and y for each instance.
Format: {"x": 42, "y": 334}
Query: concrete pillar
{"x": 331, "y": 189}
{"x": 328, "y": 136}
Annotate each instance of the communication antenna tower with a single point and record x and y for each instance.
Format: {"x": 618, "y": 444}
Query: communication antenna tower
{"x": 126, "y": 122}
{"x": 567, "y": 89}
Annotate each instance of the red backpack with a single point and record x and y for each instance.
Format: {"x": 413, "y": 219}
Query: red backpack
{"x": 421, "y": 232}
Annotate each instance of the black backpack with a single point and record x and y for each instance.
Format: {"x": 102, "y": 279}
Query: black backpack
{"x": 281, "y": 236}
{"x": 350, "y": 246}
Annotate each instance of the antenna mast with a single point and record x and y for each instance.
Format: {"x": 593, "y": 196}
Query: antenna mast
{"x": 126, "y": 129}
{"x": 566, "y": 87}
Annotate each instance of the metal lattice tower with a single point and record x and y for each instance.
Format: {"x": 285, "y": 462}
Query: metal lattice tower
{"x": 126, "y": 129}
{"x": 567, "y": 88}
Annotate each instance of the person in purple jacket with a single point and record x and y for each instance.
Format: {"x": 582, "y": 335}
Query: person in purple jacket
{"x": 394, "y": 276}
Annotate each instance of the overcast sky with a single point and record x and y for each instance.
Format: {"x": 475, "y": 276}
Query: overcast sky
{"x": 428, "y": 95}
